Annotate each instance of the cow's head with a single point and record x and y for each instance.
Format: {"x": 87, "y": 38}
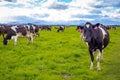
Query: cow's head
{"x": 5, "y": 41}
{"x": 87, "y": 32}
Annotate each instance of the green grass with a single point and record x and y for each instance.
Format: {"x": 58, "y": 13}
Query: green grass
{"x": 58, "y": 56}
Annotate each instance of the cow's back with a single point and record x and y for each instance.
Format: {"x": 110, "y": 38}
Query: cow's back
{"x": 21, "y": 30}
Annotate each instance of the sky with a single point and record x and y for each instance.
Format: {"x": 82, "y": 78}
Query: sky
{"x": 70, "y": 12}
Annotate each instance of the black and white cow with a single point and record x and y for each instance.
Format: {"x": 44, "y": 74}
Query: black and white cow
{"x": 97, "y": 38}
{"x": 19, "y": 31}
{"x": 33, "y": 28}
{"x": 61, "y": 28}
{"x": 46, "y": 27}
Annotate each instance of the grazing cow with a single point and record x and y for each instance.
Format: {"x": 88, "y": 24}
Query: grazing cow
{"x": 97, "y": 38}
{"x": 33, "y": 28}
{"x": 114, "y": 27}
{"x": 61, "y": 28}
{"x": 19, "y": 31}
{"x": 107, "y": 27}
{"x": 46, "y": 27}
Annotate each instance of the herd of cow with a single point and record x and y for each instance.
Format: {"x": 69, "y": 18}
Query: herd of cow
{"x": 13, "y": 32}
{"x": 29, "y": 31}
{"x": 95, "y": 36}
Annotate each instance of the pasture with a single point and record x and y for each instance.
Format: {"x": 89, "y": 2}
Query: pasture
{"x": 58, "y": 56}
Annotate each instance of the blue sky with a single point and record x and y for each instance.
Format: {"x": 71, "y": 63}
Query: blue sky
{"x": 70, "y": 12}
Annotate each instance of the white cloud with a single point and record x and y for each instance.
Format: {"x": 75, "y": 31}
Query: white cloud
{"x": 49, "y": 3}
{"x": 111, "y": 14}
{"x": 74, "y": 8}
{"x": 47, "y": 10}
{"x": 54, "y": 15}
{"x": 82, "y": 3}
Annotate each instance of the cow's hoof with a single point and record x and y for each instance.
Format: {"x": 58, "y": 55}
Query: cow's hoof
{"x": 91, "y": 68}
{"x": 98, "y": 69}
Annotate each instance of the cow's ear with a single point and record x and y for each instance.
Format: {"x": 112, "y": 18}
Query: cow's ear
{"x": 96, "y": 26}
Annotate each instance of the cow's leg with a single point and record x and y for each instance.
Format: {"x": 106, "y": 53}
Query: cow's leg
{"x": 62, "y": 30}
{"x": 102, "y": 58}
{"x": 38, "y": 34}
{"x": 87, "y": 44}
{"x": 98, "y": 59}
{"x": 32, "y": 40}
{"x": 15, "y": 40}
{"x": 3, "y": 35}
{"x": 92, "y": 59}
{"x": 58, "y": 30}
{"x": 81, "y": 36}
{"x": 29, "y": 38}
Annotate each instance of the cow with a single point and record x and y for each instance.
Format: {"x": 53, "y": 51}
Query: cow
{"x": 61, "y": 28}
{"x": 46, "y": 27}
{"x": 113, "y": 27}
{"x": 107, "y": 27}
{"x": 34, "y": 28}
{"x": 97, "y": 38}
{"x": 19, "y": 31}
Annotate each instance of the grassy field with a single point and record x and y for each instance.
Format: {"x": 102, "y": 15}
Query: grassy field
{"x": 58, "y": 56}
